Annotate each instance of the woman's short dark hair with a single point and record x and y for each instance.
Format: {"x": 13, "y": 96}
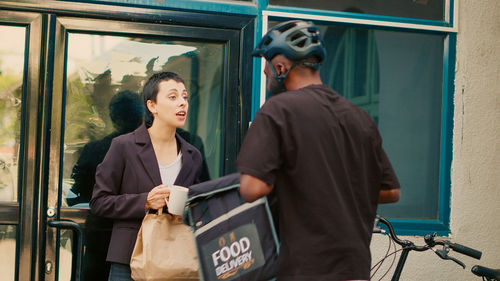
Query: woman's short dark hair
{"x": 151, "y": 88}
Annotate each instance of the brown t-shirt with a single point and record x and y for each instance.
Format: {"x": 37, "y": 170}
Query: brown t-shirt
{"x": 325, "y": 159}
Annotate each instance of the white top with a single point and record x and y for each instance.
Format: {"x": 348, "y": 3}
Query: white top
{"x": 169, "y": 173}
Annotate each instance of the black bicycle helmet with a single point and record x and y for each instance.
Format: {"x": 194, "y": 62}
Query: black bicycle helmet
{"x": 296, "y": 40}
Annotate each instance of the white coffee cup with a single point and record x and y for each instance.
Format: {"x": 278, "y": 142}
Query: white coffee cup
{"x": 176, "y": 202}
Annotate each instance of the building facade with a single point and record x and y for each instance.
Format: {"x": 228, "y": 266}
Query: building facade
{"x": 425, "y": 70}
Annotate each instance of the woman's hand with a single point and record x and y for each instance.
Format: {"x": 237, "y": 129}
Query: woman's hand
{"x": 156, "y": 197}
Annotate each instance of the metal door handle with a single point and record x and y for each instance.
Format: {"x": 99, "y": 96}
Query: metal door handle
{"x": 80, "y": 238}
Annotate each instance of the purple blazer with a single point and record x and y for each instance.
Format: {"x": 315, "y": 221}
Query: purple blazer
{"x": 123, "y": 180}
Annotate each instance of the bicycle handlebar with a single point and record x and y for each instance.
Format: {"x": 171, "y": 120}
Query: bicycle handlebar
{"x": 431, "y": 242}
{"x": 486, "y": 272}
{"x": 465, "y": 250}
{"x": 395, "y": 238}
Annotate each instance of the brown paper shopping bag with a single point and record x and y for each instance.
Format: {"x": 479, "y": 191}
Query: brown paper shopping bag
{"x": 164, "y": 250}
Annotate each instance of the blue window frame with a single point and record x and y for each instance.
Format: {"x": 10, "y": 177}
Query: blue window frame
{"x": 400, "y": 71}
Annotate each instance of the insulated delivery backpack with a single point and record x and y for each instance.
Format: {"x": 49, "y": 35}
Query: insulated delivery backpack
{"x": 235, "y": 240}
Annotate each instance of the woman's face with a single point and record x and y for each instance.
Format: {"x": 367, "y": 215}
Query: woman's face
{"x": 171, "y": 104}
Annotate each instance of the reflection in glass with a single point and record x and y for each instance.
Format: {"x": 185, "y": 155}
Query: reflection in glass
{"x": 66, "y": 258}
{"x": 98, "y": 67}
{"x": 11, "y": 83}
{"x": 8, "y": 250}
{"x": 418, "y": 9}
{"x": 126, "y": 112}
{"x": 105, "y": 75}
{"x": 354, "y": 66}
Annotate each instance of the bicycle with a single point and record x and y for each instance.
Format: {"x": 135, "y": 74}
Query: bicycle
{"x": 430, "y": 242}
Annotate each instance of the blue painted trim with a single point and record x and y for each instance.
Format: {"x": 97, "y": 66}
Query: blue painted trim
{"x": 449, "y": 59}
{"x": 327, "y": 13}
{"x": 256, "y": 72}
{"x": 418, "y": 227}
{"x": 229, "y": 7}
{"x": 452, "y": 13}
{"x": 225, "y": 89}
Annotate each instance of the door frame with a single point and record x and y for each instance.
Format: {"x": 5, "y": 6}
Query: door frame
{"x": 43, "y": 66}
{"x": 231, "y": 96}
{"x": 24, "y": 213}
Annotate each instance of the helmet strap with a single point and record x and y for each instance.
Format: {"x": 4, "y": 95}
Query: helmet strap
{"x": 312, "y": 65}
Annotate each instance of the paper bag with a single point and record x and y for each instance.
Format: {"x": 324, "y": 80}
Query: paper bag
{"x": 164, "y": 250}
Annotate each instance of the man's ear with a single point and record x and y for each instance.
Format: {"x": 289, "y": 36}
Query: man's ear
{"x": 281, "y": 64}
{"x": 281, "y": 68}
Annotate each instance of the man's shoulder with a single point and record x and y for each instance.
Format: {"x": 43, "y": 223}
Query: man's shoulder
{"x": 305, "y": 92}
{"x": 296, "y": 99}
{"x": 283, "y": 100}
{"x": 316, "y": 88}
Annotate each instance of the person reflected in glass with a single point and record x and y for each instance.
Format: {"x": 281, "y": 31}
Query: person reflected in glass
{"x": 139, "y": 167}
{"x": 126, "y": 111}
{"x": 197, "y": 142}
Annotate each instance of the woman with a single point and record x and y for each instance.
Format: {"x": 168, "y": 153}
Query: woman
{"x": 135, "y": 174}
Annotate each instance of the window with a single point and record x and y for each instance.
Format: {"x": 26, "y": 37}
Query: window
{"x": 399, "y": 75}
{"x": 102, "y": 70}
{"x": 104, "y": 76}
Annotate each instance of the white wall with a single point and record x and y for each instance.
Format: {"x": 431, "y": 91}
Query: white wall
{"x": 475, "y": 179}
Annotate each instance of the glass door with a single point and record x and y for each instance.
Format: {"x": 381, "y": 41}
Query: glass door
{"x": 19, "y": 141}
{"x": 100, "y": 67}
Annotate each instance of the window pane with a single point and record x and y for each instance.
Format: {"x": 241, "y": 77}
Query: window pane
{"x": 421, "y": 9}
{"x": 8, "y": 250}
{"x": 11, "y": 84}
{"x": 100, "y": 68}
{"x": 397, "y": 78}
